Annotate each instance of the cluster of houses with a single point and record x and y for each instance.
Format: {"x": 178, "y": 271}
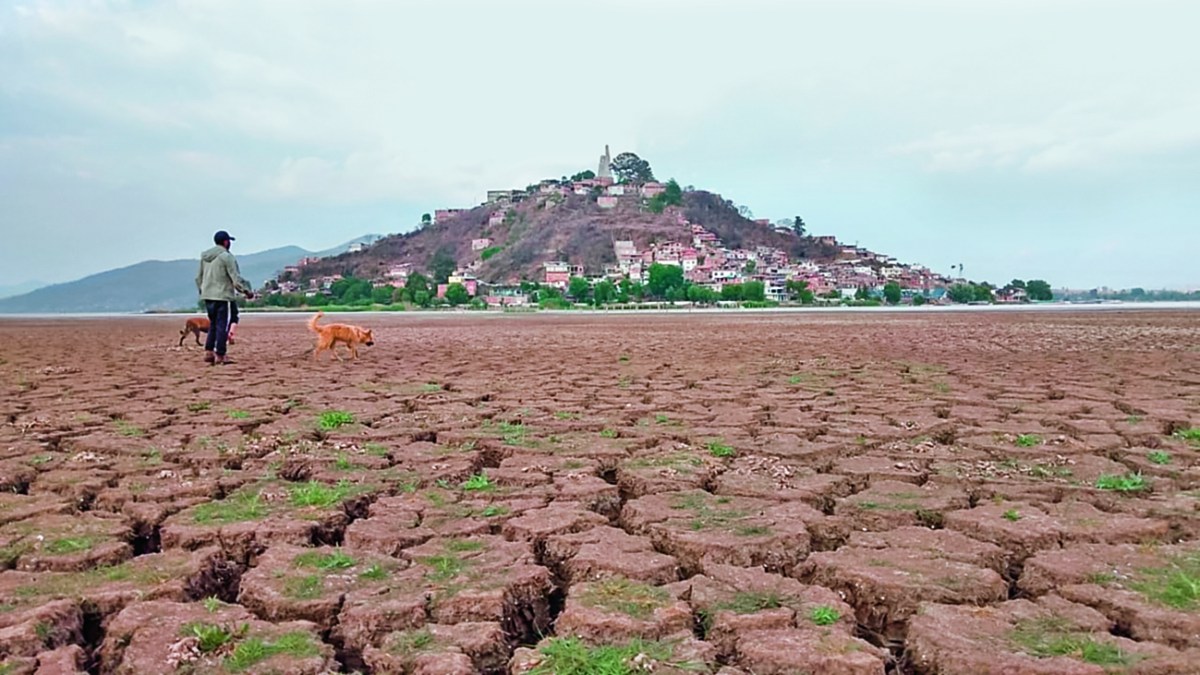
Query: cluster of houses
{"x": 705, "y": 261}
{"x": 703, "y": 258}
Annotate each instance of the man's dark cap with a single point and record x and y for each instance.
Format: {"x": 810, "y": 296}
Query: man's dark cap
{"x": 221, "y": 236}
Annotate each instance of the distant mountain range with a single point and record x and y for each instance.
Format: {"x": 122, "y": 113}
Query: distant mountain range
{"x": 153, "y": 284}
{"x": 21, "y": 288}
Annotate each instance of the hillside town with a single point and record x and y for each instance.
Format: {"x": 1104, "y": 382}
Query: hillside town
{"x": 852, "y": 273}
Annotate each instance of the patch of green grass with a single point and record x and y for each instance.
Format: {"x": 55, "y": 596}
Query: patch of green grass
{"x": 199, "y": 407}
{"x": 374, "y": 573}
{"x": 566, "y": 415}
{"x": 342, "y": 463}
{"x": 1052, "y": 636}
{"x": 44, "y": 631}
{"x": 335, "y": 560}
{"x": 430, "y": 388}
{"x": 376, "y": 449}
{"x": 493, "y": 510}
{"x": 661, "y": 418}
{"x": 442, "y": 567}
{"x": 68, "y": 545}
{"x": 513, "y": 434}
{"x": 1012, "y": 515}
{"x": 1158, "y": 457}
{"x": 572, "y": 656}
{"x": 411, "y": 642}
{"x": 209, "y": 637}
{"x": 1042, "y": 471}
{"x": 127, "y": 428}
{"x": 478, "y": 483}
{"x": 38, "y": 460}
{"x": 320, "y": 495}
{"x": 719, "y": 448}
{"x": 1130, "y": 482}
{"x": 608, "y": 433}
{"x": 824, "y": 615}
{"x": 1190, "y": 435}
{"x": 464, "y": 545}
{"x": 749, "y": 603}
{"x": 1175, "y": 585}
{"x": 236, "y": 508}
{"x": 751, "y": 530}
{"x": 212, "y": 603}
{"x": 152, "y": 456}
{"x": 255, "y": 649}
{"x": 1134, "y": 419}
{"x": 618, "y": 594}
{"x": 333, "y": 419}
{"x": 623, "y": 358}
{"x": 303, "y": 588}
{"x": 1028, "y": 440}
{"x": 239, "y": 415}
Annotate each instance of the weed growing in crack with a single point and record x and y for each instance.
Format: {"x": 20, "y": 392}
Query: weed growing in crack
{"x": 335, "y": 560}
{"x": 824, "y": 615}
{"x": 1159, "y": 457}
{"x": 478, "y": 483}
{"x": 333, "y": 419}
{"x": 719, "y": 448}
{"x": 1130, "y": 482}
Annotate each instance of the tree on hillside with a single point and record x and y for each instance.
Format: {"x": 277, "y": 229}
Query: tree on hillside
{"x": 983, "y": 292}
{"x": 456, "y": 294}
{"x": 416, "y": 282}
{"x": 584, "y": 175}
{"x": 382, "y": 295}
{"x": 604, "y": 293}
{"x": 578, "y": 288}
{"x": 962, "y": 293}
{"x": 798, "y": 289}
{"x": 663, "y": 278}
{"x": 672, "y": 195}
{"x": 754, "y": 291}
{"x": 863, "y": 293}
{"x": 892, "y": 293}
{"x": 1038, "y": 289}
{"x": 426, "y": 219}
{"x": 1016, "y": 283}
{"x": 745, "y": 212}
{"x": 750, "y": 268}
{"x": 629, "y": 168}
{"x": 731, "y": 292}
{"x": 442, "y": 265}
{"x": 798, "y": 226}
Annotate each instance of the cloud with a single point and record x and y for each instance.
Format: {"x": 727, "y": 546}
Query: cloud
{"x": 1081, "y": 137}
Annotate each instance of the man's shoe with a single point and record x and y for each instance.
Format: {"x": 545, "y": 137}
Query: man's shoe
{"x": 209, "y": 357}
{"x": 222, "y": 360}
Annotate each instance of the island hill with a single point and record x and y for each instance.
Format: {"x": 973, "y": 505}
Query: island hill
{"x": 615, "y": 235}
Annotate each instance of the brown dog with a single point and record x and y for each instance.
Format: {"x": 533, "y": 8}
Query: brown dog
{"x": 330, "y": 334}
{"x": 195, "y": 326}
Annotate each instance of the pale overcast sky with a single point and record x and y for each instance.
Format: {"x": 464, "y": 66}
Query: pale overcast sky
{"x": 1023, "y": 138}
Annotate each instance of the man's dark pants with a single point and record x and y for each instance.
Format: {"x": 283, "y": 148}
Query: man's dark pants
{"x": 219, "y": 312}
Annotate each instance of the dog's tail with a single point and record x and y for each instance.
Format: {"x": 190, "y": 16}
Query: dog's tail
{"x": 312, "y": 323}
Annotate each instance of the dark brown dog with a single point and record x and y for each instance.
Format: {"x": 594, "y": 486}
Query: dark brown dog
{"x": 195, "y": 326}
{"x": 329, "y": 335}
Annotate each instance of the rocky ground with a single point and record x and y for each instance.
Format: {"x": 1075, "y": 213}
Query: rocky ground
{"x": 949, "y": 493}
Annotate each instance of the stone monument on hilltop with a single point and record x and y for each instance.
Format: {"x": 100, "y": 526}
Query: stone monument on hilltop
{"x": 605, "y": 165}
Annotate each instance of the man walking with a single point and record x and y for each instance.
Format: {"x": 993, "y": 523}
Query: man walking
{"x": 219, "y": 281}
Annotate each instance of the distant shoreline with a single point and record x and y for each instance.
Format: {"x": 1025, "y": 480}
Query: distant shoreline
{"x": 1047, "y": 307}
